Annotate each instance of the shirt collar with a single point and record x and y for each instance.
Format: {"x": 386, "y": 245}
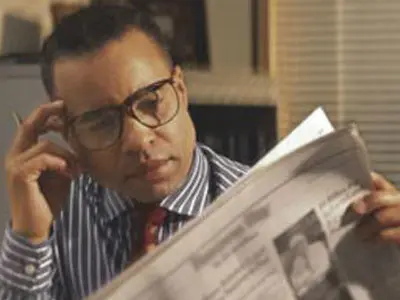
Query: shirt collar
{"x": 190, "y": 199}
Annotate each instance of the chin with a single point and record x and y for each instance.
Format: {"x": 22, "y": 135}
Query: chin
{"x": 156, "y": 188}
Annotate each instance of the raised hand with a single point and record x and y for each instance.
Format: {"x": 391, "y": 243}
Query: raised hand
{"x": 38, "y": 172}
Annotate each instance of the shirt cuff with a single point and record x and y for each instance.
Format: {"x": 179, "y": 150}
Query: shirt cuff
{"x": 23, "y": 265}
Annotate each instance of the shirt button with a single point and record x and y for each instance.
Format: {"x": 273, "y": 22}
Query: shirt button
{"x": 30, "y": 269}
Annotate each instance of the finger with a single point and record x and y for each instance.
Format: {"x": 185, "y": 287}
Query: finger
{"x": 34, "y": 125}
{"x": 371, "y": 225}
{"x": 388, "y": 217}
{"x": 54, "y": 123}
{"x": 380, "y": 183}
{"x": 376, "y": 200}
{"x": 34, "y": 168}
{"x": 381, "y": 199}
{"x": 390, "y": 235}
{"x": 46, "y": 146}
{"x": 360, "y": 207}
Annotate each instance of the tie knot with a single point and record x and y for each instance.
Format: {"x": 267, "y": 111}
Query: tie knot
{"x": 157, "y": 216}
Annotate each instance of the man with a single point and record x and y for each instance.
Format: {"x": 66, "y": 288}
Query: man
{"x": 135, "y": 174}
{"x": 122, "y": 105}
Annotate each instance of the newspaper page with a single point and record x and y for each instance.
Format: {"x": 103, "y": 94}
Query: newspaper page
{"x": 285, "y": 232}
{"x": 314, "y": 126}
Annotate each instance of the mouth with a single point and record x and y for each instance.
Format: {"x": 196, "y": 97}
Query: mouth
{"x": 152, "y": 170}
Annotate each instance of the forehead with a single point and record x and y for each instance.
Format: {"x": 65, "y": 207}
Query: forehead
{"x": 109, "y": 75}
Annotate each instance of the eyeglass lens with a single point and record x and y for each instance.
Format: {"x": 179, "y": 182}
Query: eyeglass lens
{"x": 102, "y": 128}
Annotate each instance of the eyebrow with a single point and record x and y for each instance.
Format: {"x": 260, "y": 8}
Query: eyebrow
{"x": 92, "y": 113}
{"x": 149, "y": 86}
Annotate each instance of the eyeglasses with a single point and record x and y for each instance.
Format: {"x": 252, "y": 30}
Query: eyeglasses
{"x": 153, "y": 106}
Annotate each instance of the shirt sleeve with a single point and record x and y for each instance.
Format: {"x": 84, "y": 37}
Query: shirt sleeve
{"x": 27, "y": 270}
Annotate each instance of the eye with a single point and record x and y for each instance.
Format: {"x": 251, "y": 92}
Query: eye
{"x": 103, "y": 120}
{"x": 103, "y": 124}
{"x": 148, "y": 102}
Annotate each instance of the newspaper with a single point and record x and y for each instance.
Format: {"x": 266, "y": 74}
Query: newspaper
{"x": 314, "y": 126}
{"x": 285, "y": 231}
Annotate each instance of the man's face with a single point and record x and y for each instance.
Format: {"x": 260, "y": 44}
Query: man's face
{"x": 146, "y": 164}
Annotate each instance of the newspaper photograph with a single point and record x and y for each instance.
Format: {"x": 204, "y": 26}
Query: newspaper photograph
{"x": 308, "y": 264}
{"x": 285, "y": 231}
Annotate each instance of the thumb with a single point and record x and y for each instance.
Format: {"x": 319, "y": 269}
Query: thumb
{"x": 380, "y": 183}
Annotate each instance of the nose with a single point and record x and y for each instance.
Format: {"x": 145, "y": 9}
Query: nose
{"x": 137, "y": 138}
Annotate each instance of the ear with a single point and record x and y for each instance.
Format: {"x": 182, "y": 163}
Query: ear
{"x": 179, "y": 84}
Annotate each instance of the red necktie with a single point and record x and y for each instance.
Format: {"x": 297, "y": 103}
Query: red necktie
{"x": 154, "y": 219}
{"x": 148, "y": 220}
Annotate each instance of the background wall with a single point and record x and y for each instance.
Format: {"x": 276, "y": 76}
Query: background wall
{"x": 229, "y": 35}
{"x": 23, "y": 23}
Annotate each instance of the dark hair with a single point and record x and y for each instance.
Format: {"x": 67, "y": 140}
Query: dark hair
{"x": 89, "y": 30}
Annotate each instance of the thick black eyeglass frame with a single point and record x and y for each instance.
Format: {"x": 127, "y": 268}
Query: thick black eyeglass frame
{"x": 125, "y": 108}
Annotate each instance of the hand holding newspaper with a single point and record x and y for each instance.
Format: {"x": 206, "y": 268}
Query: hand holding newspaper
{"x": 284, "y": 231}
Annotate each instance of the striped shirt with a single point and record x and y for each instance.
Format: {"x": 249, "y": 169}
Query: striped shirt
{"x": 92, "y": 241}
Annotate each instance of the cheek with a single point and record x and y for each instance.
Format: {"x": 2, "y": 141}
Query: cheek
{"x": 180, "y": 135}
{"x": 99, "y": 164}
